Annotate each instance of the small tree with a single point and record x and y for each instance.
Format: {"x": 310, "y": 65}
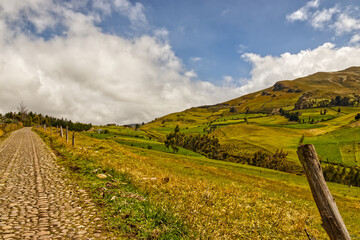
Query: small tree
{"x": 357, "y": 117}
{"x": 172, "y": 138}
{"x": 22, "y": 111}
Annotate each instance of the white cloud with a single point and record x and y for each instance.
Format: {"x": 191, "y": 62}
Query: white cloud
{"x": 135, "y": 12}
{"x": 314, "y": 3}
{"x": 320, "y": 18}
{"x": 228, "y": 82}
{"x": 346, "y": 24}
{"x": 303, "y": 13}
{"x": 87, "y": 75}
{"x": 355, "y": 39}
{"x": 341, "y": 20}
{"x": 269, "y": 69}
{"x": 191, "y": 74}
{"x": 241, "y": 48}
{"x": 195, "y": 59}
{"x": 90, "y": 76}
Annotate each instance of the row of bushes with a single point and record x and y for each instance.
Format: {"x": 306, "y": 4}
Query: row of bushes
{"x": 9, "y": 127}
{"x": 211, "y": 148}
{"x": 203, "y": 144}
{"x": 305, "y": 102}
{"x": 277, "y": 161}
{"x": 342, "y": 174}
{"x": 292, "y": 116}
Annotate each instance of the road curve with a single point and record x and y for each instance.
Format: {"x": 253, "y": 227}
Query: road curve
{"x": 36, "y": 200}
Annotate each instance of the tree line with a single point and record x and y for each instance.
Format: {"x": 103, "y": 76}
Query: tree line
{"x": 203, "y": 144}
{"x": 342, "y": 174}
{"x": 29, "y": 119}
{"x": 292, "y": 116}
{"x": 211, "y": 148}
{"x": 304, "y": 103}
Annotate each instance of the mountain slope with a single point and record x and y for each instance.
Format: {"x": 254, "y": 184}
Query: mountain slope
{"x": 276, "y": 117}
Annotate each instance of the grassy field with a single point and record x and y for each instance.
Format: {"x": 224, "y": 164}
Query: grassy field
{"x": 269, "y": 131}
{"x": 140, "y": 142}
{"x": 172, "y": 196}
{"x": 266, "y": 132}
{"x": 339, "y": 146}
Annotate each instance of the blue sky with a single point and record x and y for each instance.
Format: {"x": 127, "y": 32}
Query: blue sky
{"x": 126, "y": 61}
{"x": 211, "y": 36}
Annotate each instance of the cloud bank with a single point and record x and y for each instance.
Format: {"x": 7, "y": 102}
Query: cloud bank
{"x": 56, "y": 58}
{"x": 87, "y": 75}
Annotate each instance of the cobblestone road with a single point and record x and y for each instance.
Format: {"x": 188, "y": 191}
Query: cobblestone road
{"x": 36, "y": 201}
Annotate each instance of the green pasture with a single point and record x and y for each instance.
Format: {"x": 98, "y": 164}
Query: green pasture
{"x": 340, "y": 146}
{"x": 297, "y": 125}
{"x": 139, "y": 142}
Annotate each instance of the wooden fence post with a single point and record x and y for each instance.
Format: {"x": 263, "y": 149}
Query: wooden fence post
{"x": 61, "y": 132}
{"x": 73, "y": 139}
{"x": 332, "y": 221}
{"x": 67, "y": 133}
{"x": 45, "y": 127}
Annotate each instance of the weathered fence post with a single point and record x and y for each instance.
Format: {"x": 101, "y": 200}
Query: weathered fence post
{"x": 332, "y": 221}
{"x": 45, "y": 127}
{"x": 73, "y": 139}
{"x": 67, "y": 133}
{"x": 61, "y": 132}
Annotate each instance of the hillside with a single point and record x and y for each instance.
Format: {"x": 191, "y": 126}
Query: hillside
{"x": 319, "y": 106}
{"x": 152, "y": 191}
{"x": 154, "y": 194}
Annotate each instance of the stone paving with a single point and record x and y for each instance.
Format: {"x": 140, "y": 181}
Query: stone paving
{"x": 36, "y": 200}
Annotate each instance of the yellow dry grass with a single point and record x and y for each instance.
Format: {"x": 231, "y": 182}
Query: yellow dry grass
{"x": 215, "y": 202}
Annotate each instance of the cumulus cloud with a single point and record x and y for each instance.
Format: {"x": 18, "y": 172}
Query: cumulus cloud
{"x": 87, "y": 75}
{"x": 269, "y": 69}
